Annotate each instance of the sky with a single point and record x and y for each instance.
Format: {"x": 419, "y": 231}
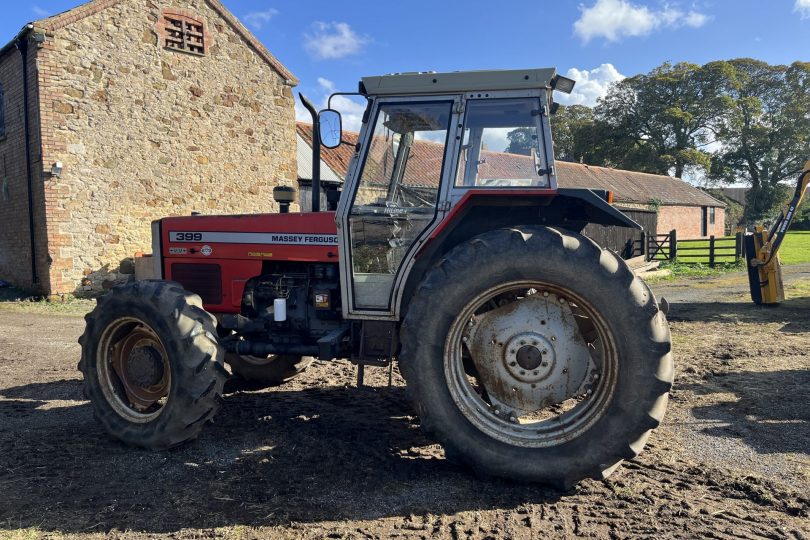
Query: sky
{"x": 330, "y": 45}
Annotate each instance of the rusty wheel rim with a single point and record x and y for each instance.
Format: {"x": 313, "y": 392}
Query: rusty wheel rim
{"x": 524, "y": 356}
{"x": 134, "y": 370}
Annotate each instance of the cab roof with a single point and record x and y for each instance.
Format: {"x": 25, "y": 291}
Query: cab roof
{"x": 458, "y": 81}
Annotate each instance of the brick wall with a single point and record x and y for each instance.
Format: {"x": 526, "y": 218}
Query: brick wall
{"x": 15, "y": 240}
{"x": 145, "y": 132}
{"x": 687, "y": 221}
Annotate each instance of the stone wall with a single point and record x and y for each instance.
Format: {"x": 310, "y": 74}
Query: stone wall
{"x": 146, "y": 132}
{"x": 15, "y": 237}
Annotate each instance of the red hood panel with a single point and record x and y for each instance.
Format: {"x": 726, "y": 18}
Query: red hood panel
{"x": 292, "y": 237}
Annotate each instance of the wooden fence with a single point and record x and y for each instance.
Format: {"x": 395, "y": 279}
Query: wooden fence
{"x": 711, "y": 251}
{"x": 625, "y": 241}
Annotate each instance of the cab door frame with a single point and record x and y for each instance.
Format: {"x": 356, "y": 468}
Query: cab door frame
{"x": 352, "y": 183}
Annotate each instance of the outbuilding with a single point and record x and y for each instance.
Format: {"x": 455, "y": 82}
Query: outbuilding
{"x": 660, "y": 203}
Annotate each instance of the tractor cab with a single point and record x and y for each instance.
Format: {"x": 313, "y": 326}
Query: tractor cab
{"x": 428, "y": 141}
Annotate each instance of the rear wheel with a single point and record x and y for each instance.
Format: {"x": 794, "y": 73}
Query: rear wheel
{"x": 552, "y": 364}
{"x": 253, "y": 372}
{"x": 152, "y": 367}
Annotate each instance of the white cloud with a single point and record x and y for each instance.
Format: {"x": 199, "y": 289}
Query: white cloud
{"x": 257, "y": 19}
{"x": 591, "y": 85}
{"x": 616, "y": 19}
{"x": 40, "y": 12}
{"x": 803, "y": 7}
{"x": 333, "y": 40}
{"x": 326, "y": 84}
{"x": 695, "y": 19}
{"x": 350, "y": 109}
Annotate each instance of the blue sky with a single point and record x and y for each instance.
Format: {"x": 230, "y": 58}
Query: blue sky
{"x": 332, "y": 44}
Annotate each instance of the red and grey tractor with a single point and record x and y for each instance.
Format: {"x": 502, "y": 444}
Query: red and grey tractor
{"x": 529, "y": 351}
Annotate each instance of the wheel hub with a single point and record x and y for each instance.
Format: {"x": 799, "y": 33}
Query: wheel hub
{"x": 529, "y": 357}
{"x": 145, "y": 367}
{"x": 141, "y": 364}
{"x": 530, "y": 353}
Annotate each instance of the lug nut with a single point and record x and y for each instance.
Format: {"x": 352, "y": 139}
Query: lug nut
{"x": 545, "y": 293}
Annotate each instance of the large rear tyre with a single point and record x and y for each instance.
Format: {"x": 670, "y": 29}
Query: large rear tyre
{"x": 252, "y": 372}
{"x": 534, "y": 354}
{"x": 153, "y": 370}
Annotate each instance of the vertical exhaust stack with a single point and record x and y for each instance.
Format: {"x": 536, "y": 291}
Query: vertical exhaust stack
{"x": 316, "y": 154}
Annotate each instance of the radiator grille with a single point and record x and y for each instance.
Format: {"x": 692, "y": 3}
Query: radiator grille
{"x": 202, "y": 279}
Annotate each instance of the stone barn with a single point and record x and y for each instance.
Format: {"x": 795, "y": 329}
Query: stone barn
{"x": 122, "y": 111}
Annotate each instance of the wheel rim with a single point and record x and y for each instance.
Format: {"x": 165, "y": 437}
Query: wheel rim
{"x": 531, "y": 364}
{"x": 134, "y": 370}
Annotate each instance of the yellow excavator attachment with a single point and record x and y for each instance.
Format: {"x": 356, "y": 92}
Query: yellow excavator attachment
{"x": 762, "y": 249}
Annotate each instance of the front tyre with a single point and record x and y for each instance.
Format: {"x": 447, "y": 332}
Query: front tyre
{"x": 153, "y": 370}
{"x": 533, "y": 354}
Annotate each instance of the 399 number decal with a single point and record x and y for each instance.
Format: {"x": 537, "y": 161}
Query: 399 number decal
{"x": 186, "y": 237}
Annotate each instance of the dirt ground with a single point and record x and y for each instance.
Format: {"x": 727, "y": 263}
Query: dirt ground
{"x": 321, "y": 458}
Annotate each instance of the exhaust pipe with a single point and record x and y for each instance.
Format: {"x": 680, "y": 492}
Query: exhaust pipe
{"x": 316, "y": 154}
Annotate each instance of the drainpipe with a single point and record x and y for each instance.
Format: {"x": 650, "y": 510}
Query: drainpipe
{"x": 22, "y": 46}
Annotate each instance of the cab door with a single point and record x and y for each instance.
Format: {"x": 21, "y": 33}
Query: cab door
{"x": 394, "y": 191}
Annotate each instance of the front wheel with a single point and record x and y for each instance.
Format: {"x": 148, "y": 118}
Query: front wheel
{"x": 550, "y": 364}
{"x": 153, "y": 370}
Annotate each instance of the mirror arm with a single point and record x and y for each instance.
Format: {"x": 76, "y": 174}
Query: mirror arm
{"x": 329, "y": 101}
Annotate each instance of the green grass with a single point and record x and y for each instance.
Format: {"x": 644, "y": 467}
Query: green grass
{"x": 680, "y": 270}
{"x": 795, "y": 248}
{"x": 12, "y": 299}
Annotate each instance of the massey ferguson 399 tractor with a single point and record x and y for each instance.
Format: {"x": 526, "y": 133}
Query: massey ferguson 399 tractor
{"x": 529, "y": 352}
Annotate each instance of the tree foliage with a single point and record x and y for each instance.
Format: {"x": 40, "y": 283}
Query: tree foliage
{"x": 735, "y": 121}
{"x": 521, "y": 141}
{"x": 665, "y": 118}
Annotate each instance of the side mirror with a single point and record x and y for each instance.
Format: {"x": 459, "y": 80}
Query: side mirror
{"x": 331, "y": 128}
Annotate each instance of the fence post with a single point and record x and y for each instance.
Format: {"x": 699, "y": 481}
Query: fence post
{"x": 673, "y": 244}
{"x": 738, "y": 242}
{"x": 711, "y": 251}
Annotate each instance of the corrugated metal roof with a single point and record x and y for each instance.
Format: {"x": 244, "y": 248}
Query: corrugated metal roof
{"x": 305, "y": 163}
{"x": 627, "y": 186}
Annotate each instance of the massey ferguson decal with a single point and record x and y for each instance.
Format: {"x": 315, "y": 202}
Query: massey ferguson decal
{"x": 290, "y": 239}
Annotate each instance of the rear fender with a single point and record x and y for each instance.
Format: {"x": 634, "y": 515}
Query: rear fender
{"x": 480, "y": 211}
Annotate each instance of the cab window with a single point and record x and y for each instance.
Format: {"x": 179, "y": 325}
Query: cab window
{"x": 503, "y": 145}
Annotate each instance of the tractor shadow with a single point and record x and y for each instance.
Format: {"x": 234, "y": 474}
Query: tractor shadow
{"x": 792, "y": 313}
{"x": 271, "y": 458}
{"x": 750, "y": 401}
{"x": 768, "y": 411}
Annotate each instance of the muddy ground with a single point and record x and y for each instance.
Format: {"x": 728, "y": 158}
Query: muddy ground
{"x": 322, "y": 458}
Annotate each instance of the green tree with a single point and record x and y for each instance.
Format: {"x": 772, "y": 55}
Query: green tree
{"x": 521, "y": 141}
{"x": 572, "y": 128}
{"x": 662, "y": 121}
{"x": 765, "y": 131}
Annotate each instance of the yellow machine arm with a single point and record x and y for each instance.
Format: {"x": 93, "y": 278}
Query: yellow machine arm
{"x": 762, "y": 249}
